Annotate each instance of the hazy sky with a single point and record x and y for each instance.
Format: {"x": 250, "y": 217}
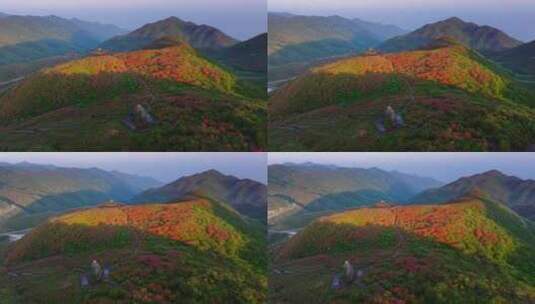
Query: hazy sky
{"x": 241, "y": 19}
{"x": 165, "y": 167}
{"x": 515, "y": 17}
{"x": 445, "y": 167}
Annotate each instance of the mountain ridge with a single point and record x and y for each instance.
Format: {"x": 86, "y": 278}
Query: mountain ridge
{"x": 198, "y": 36}
{"x": 482, "y": 38}
{"x": 30, "y": 191}
{"x": 297, "y": 192}
{"x": 247, "y": 196}
{"x": 512, "y": 191}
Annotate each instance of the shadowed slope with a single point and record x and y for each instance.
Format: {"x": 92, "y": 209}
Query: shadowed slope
{"x": 199, "y": 36}
{"x": 246, "y": 196}
{"x": 482, "y": 38}
{"x": 512, "y": 191}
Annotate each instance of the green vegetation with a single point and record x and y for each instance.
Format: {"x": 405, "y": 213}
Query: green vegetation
{"x": 470, "y": 251}
{"x": 81, "y": 105}
{"x": 450, "y": 99}
{"x": 195, "y": 250}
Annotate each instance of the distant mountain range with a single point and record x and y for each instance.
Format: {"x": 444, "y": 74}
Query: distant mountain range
{"x": 28, "y": 38}
{"x": 295, "y": 39}
{"x": 292, "y": 36}
{"x": 31, "y": 191}
{"x": 299, "y": 190}
{"x": 482, "y": 38}
{"x": 516, "y": 193}
{"x": 198, "y": 36}
{"x": 246, "y": 196}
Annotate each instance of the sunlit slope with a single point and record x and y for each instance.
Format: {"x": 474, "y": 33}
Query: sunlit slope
{"x": 450, "y": 97}
{"x": 91, "y": 104}
{"x": 92, "y": 78}
{"x": 471, "y": 251}
{"x": 200, "y": 250}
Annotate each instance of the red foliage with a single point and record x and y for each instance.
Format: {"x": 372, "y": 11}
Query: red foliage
{"x": 217, "y": 233}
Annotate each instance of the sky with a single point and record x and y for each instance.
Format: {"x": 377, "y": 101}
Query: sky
{"x": 241, "y": 19}
{"x": 445, "y": 167}
{"x": 165, "y": 167}
{"x": 515, "y": 17}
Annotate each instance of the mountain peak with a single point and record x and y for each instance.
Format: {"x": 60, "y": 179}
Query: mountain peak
{"x": 172, "y": 19}
{"x": 482, "y": 38}
{"x": 454, "y": 20}
{"x": 493, "y": 173}
{"x": 211, "y": 173}
{"x": 198, "y": 36}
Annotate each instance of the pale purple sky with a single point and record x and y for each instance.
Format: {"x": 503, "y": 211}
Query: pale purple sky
{"x": 515, "y": 17}
{"x": 241, "y": 19}
{"x": 445, "y": 167}
{"x": 165, "y": 167}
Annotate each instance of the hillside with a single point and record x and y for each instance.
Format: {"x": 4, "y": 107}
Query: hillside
{"x": 249, "y": 55}
{"x": 481, "y": 38}
{"x": 294, "y": 38}
{"x": 469, "y": 251}
{"x": 448, "y": 97}
{"x": 295, "y": 42}
{"x": 516, "y": 193}
{"x": 28, "y": 38}
{"x": 101, "y": 103}
{"x": 299, "y": 193}
{"x": 198, "y": 36}
{"x": 196, "y": 250}
{"x": 244, "y": 195}
{"x": 29, "y": 193}
{"x": 520, "y": 59}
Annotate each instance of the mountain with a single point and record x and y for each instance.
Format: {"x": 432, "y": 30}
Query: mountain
{"x": 520, "y": 59}
{"x": 468, "y": 251}
{"x": 481, "y": 38}
{"x": 244, "y": 195}
{"x": 198, "y": 36}
{"x": 249, "y": 55}
{"x": 30, "y": 192}
{"x": 197, "y": 250}
{"x": 381, "y": 31}
{"x": 307, "y": 38}
{"x": 303, "y": 191}
{"x": 295, "y": 42}
{"x": 444, "y": 98}
{"x": 101, "y": 32}
{"x": 170, "y": 98}
{"x": 28, "y": 38}
{"x": 516, "y": 193}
